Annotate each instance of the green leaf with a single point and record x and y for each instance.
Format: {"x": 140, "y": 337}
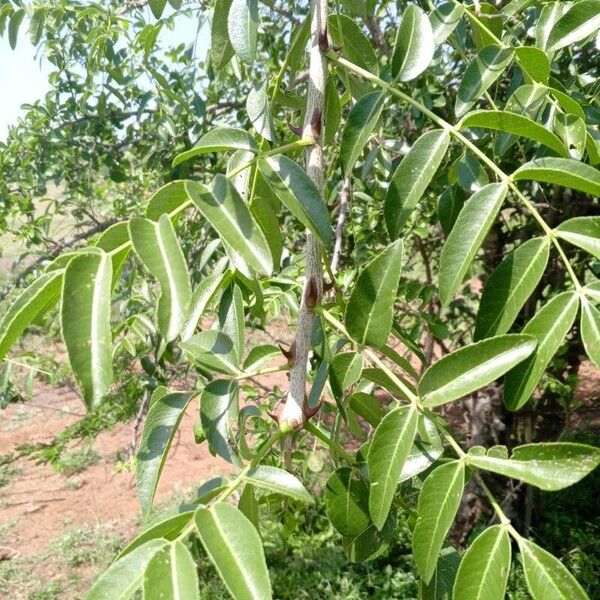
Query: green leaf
{"x": 444, "y": 20}
{"x": 367, "y": 406}
{"x": 232, "y": 319}
{"x": 167, "y": 199}
{"x": 347, "y": 501}
{"x": 228, "y": 214}
{"x": 438, "y": 502}
{"x": 484, "y": 568}
{"x": 220, "y": 139}
{"x": 467, "y": 235}
{"x": 581, "y": 21}
{"x": 259, "y": 111}
{"x": 172, "y": 575}
{"x": 233, "y": 545}
{"x": 411, "y": 178}
{"x": 85, "y": 318}
{"x": 590, "y": 330}
{"x": 425, "y": 451}
{"x": 164, "y": 416}
{"x": 298, "y": 194}
{"x": 358, "y": 129}
{"x": 571, "y": 129}
{"x": 473, "y": 367}
{"x": 486, "y": 68}
{"x": 221, "y": 50}
{"x": 13, "y": 26}
{"x": 534, "y": 63}
{"x": 450, "y": 204}
{"x": 509, "y": 286}
{"x": 382, "y": 379}
{"x": 355, "y": 46}
{"x": 549, "y": 466}
{"x": 440, "y": 586}
{"x": 546, "y": 577}
{"x": 214, "y": 351}
{"x": 157, "y": 246}
{"x": 242, "y": 25}
{"x": 201, "y": 298}
{"x": 549, "y": 16}
{"x": 168, "y": 529}
{"x": 30, "y": 303}
{"x": 218, "y": 409}
{"x": 126, "y": 575}
{"x": 278, "y": 481}
{"x": 36, "y": 25}
{"x": 550, "y": 325}
{"x": 369, "y": 312}
{"x": 248, "y": 505}
{"x": 388, "y": 451}
{"x": 583, "y": 232}
{"x": 414, "y": 46}
{"x": 259, "y": 355}
{"x": 516, "y": 124}
{"x": 371, "y": 543}
{"x": 333, "y": 111}
{"x": 528, "y": 100}
{"x": 487, "y": 26}
{"x": 116, "y": 238}
{"x": 344, "y": 371}
{"x": 566, "y": 172}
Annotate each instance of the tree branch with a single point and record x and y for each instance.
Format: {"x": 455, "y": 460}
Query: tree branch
{"x": 345, "y": 197}
{"x": 293, "y": 410}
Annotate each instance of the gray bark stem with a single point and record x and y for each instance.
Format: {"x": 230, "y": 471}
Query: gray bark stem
{"x": 293, "y": 410}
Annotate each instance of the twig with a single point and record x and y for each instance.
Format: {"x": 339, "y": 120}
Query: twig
{"x": 345, "y": 198}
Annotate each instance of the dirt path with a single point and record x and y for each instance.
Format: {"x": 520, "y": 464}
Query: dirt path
{"x": 39, "y": 503}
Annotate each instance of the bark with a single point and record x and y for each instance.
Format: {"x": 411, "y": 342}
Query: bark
{"x": 293, "y": 410}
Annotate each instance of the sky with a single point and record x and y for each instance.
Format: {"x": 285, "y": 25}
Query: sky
{"x": 25, "y": 78}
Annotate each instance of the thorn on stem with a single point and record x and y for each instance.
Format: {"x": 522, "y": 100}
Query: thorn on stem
{"x": 315, "y": 123}
{"x": 309, "y": 412}
{"x": 311, "y": 296}
{"x": 323, "y": 40}
{"x": 290, "y": 354}
{"x": 295, "y": 129}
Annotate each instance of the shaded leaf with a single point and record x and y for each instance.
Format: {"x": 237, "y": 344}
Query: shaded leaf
{"x": 213, "y": 350}
{"x": 590, "y": 330}
{"x": 344, "y": 371}
{"x": 486, "y": 68}
{"x": 444, "y": 20}
{"x": 157, "y": 246}
{"x": 201, "y": 298}
{"x": 259, "y": 111}
{"x": 221, "y": 50}
{"x": 581, "y": 20}
{"x": 228, "y": 214}
{"x": 164, "y": 416}
{"x": 347, "y": 501}
{"x": 298, "y": 194}
{"x": 218, "y": 409}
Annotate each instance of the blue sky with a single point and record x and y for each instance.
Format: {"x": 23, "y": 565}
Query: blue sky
{"x": 25, "y": 77}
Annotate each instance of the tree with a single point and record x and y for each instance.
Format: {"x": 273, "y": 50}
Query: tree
{"x": 489, "y": 126}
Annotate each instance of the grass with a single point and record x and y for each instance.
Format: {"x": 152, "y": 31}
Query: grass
{"x": 77, "y": 461}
